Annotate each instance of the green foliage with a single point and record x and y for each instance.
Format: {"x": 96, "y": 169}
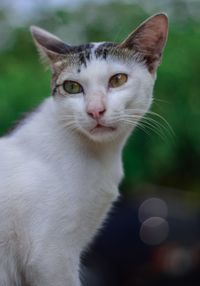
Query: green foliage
{"x": 147, "y": 158}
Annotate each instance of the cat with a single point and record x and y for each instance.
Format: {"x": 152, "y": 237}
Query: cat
{"x": 61, "y": 167}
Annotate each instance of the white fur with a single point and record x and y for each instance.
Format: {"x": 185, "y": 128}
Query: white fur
{"x": 57, "y": 182}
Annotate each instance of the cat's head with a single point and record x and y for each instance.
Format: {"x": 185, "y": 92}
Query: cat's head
{"x": 102, "y": 90}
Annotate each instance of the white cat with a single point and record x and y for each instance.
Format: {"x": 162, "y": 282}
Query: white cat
{"x": 60, "y": 169}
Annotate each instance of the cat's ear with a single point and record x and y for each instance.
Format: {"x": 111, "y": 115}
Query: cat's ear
{"x": 51, "y": 48}
{"x": 149, "y": 40}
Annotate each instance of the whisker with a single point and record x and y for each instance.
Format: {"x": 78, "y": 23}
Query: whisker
{"x": 147, "y": 123}
{"x": 156, "y": 129}
{"x": 155, "y": 124}
{"x": 161, "y": 100}
{"x": 165, "y": 124}
{"x": 162, "y": 119}
{"x": 68, "y": 125}
{"x": 136, "y": 124}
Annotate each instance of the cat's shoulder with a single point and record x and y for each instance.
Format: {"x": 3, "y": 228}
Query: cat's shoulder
{"x": 18, "y": 164}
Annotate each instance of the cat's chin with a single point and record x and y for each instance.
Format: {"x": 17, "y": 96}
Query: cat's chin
{"x": 101, "y": 129}
{"x": 101, "y": 133}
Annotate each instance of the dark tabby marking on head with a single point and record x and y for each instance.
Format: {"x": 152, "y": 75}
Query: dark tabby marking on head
{"x": 81, "y": 55}
{"x": 83, "y": 52}
{"x": 82, "y": 59}
{"x": 103, "y": 50}
{"x": 81, "y": 48}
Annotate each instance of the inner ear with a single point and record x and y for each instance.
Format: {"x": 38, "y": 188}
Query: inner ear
{"x": 149, "y": 40}
{"x": 50, "y": 47}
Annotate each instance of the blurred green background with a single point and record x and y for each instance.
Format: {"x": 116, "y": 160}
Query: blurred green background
{"x": 154, "y": 159}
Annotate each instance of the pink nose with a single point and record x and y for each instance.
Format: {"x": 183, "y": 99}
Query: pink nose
{"x": 96, "y": 113}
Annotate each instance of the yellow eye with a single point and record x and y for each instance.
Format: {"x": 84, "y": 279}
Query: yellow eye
{"x": 72, "y": 87}
{"x": 118, "y": 80}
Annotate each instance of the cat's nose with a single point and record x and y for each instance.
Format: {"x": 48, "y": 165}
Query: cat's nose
{"x": 96, "y": 112}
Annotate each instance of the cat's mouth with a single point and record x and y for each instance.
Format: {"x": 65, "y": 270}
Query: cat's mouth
{"x": 102, "y": 128}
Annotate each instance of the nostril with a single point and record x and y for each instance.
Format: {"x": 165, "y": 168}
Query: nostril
{"x": 96, "y": 113}
{"x": 101, "y": 112}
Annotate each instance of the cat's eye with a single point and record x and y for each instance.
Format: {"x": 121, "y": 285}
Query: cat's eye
{"x": 118, "y": 80}
{"x": 72, "y": 87}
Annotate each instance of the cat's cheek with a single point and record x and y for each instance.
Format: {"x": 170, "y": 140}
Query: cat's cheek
{"x": 72, "y": 105}
{"x": 118, "y": 101}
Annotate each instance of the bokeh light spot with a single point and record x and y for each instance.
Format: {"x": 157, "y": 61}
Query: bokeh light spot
{"x": 152, "y": 207}
{"x": 154, "y": 230}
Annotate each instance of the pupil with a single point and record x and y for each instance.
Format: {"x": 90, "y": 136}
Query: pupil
{"x": 118, "y": 78}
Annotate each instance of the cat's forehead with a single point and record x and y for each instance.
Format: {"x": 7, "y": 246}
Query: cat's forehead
{"x": 83, "y": 54}
{"x": 80, "y": 58}
{"x": 102, "y": 49}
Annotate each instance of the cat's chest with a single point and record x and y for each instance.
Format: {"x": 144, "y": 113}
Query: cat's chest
{"x": 92, "y": 204}
{"x": 93, "y": 179}
{"x": 91, "y": 195}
